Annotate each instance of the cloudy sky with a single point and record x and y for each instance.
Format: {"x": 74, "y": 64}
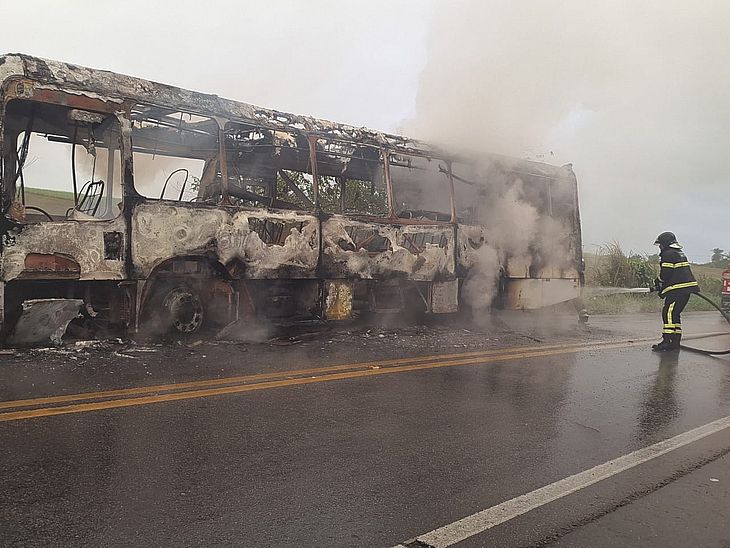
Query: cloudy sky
{"x": 633, "y": 94}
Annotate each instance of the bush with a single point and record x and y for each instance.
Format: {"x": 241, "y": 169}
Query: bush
{"x": 711, "y": 286}
{"x": 614, "y": 268}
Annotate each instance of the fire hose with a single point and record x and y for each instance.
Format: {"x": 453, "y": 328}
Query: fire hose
{"x": 724, "y": 315}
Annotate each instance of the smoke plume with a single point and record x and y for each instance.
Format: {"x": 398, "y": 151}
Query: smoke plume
{"x": 631, "y": 93}
{"x": 511, "y": 234}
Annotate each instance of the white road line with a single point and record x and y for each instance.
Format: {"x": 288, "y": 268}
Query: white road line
{"x": 490, "y": 517}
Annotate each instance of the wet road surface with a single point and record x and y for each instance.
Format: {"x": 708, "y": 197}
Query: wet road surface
{"x": 373, "y": 453}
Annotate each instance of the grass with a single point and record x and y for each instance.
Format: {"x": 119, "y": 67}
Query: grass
{"x": 612, "y": 267}
{"x": 60, "y": 194}
{"x": 627, "y": 303}
{"x": 632, "y": 303}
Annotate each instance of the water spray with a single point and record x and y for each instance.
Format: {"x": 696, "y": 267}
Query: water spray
{"x": 701, "y": 296}
{"x": 596, "y": 291}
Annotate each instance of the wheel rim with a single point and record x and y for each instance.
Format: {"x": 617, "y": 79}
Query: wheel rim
{"x": 185, "y": 310}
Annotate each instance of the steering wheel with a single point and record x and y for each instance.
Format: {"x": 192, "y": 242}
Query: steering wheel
{"x": 34, "y": 208}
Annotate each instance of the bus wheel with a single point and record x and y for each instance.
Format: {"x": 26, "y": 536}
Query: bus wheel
{"x": 181, "y": 310}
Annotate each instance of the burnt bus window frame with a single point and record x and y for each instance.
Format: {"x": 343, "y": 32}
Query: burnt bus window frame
{"x": 285, "y": 174}
{"x": 449, "y": 214}
{"x": 159, "y": 116}
{"x": 21, "y": 89}
{"x": 336, "y": 166}
{"x": 467, "y": 179}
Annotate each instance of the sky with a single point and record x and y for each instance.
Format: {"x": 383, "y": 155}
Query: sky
{"x": 633, "y": 94}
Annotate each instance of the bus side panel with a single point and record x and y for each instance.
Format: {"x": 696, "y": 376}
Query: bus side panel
{"x": 268, "y": 245}
{"x": 82, "y": 250}
{"x": 362, "y": 250}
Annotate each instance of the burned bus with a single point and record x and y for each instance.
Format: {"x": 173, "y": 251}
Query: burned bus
{"x": 132, "y": 203}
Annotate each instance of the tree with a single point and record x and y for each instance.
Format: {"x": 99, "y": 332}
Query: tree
{"x": 718, "y": 255}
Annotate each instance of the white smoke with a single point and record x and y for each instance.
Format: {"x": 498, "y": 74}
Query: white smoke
{"x": 511, "y": 232}
{"x": 631, "y": 93}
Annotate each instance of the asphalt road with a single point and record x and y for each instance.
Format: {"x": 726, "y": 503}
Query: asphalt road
{"x": 346, "y": 443}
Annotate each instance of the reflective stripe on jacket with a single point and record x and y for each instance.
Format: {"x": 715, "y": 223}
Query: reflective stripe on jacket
{"x": 675, "y": 273}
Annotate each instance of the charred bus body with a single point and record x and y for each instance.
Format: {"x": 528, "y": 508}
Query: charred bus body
{"x": 140, "y": 202}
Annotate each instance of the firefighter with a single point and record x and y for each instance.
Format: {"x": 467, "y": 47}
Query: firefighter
{"x": 675, "y": 284}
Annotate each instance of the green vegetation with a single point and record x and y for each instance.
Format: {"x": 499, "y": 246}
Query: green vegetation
{"x": 629, "y": 303}
{"x": 719, "y": 258}
{"x": 611, "y": 267}
{"x": 363, "y": 197}
{"x": 59, "y": 194}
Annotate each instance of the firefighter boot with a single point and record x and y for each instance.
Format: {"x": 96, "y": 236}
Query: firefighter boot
{"x": 664, "y": 345}
{"x": 676, "y": 341}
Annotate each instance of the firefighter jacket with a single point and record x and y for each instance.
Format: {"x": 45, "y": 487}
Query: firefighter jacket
{"x": 675, "y": 276}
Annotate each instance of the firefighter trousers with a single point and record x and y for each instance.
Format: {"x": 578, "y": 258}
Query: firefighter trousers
{"x": 671, "y": 312}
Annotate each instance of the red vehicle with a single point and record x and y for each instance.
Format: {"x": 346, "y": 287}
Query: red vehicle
{"x": 726, "y": 289}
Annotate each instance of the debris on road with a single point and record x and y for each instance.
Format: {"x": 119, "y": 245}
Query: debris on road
{"x": 44, "y": 321}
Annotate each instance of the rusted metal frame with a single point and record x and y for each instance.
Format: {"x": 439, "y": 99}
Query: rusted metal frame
{"x": 343, "y": 183}
{"x": 71, "y": 100}
{"x": 2, "y": 291}
{"x": 130, "y": 198}
{"x": 272, "y": 232}
{"x": 269, "y": 232}
{"x": 173, "y": 150}
{"x": 366, "y": 241}
{"x": 63, "y": 97}
{"x": 248, "y": 298}
{"x": 452, "y": 193}
{"x": 3, "y": 175}
{"x": 391, "y": 195}
{"x": 126, "y": 150}
{"x": 388, "y": 183}
{"x": 111, "y": 153}
{"x": 334, "y": 156}
{"x": 413, "y": 246}
{"x": 180, "y": 106}
{"x": 73, "y": 166}
{"x": 280, "y": 235}
{"x": 14, "y": 88}
{"x": 312, "y": 140}
{"x": 295, "y": 189}
{"x": 223, "y": 163}
{"x": 352, "y": 141}
{"x": 140, "y": 296}
{"x": 180, "y": 125}
{"x": 397, "y": 221}
{"x": 420, "y": 294}
{"x": 270, "y": 119}
{"x": 541, "y": 176}
{"x": 277, "y": 231}
{"x": 7, "y": 94}
{"x": 207, "y": 178}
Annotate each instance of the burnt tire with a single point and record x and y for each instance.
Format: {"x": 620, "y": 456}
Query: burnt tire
{"x": 178, "y": 310}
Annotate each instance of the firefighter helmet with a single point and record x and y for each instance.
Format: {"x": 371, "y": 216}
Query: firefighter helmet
{"x": 665, "y": 239}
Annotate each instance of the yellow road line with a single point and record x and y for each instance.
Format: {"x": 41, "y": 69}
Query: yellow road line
{"x": 153, "y": 389}
{"x": 192, "y": 394}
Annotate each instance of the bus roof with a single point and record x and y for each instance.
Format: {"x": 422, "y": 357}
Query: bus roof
{"x": 113, "y": 86}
